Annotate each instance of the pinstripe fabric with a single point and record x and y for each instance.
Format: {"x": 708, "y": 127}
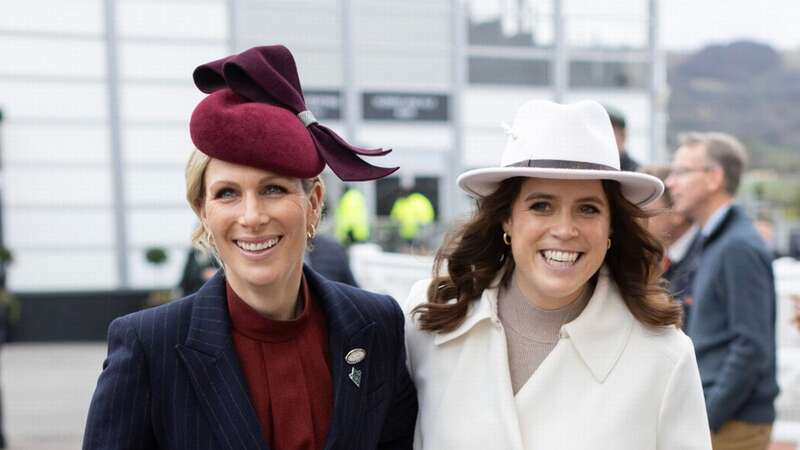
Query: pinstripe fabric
{"x": 172, "y": 378}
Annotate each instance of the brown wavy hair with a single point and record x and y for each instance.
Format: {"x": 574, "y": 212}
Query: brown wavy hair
{"x": 474, "y": 254}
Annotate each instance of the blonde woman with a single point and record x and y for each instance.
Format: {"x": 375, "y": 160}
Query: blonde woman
{"x": 267, "y": 354}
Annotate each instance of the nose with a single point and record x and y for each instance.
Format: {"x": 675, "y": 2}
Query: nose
{"x": 253, "y": 214}
{"x": 564, "y": 227}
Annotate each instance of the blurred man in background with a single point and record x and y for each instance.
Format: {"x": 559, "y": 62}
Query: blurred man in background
{"x": 732, "y": 323}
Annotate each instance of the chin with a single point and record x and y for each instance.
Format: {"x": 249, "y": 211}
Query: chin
{"x": 256, "y": 276}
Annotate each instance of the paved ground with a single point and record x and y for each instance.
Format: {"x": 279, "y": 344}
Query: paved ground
{"x": 46, "y": 393}
{"x": 47, "y": 389}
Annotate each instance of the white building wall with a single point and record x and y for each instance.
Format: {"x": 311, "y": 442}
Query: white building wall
{"x": 56, "y": 201}
{"x": 60, "y": 216}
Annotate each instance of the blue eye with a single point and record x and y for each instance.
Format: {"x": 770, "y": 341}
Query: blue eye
{"x": 272, "y": 189}
{"x": 225, "y": 193}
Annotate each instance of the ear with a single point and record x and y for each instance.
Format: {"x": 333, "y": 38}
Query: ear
{"x": 715, "y": 179}
{"x": 507, "y": 224}
{"x": 315, "y": 202}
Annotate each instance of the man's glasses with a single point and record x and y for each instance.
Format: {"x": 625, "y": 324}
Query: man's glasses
{"x": 681, "y": 171}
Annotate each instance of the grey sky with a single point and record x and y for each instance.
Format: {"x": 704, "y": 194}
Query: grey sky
{"x": 685, "y": 24}
{"x": 691, "y": 24}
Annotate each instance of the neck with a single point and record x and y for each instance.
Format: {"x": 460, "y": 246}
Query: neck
{"x": 278, "y": 300}
{"x": 713, "y": 204}
{"x": 540, "y": 301}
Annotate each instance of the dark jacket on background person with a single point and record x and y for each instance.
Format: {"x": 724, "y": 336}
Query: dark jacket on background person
{"x": 193, "y": 277}
{"x": 330, "y": 260}
{"x": 627, "y": 163}
{"x": 732, "y": 323}
{"x": 172, "y": 379}
{"x": 680, "y": 275}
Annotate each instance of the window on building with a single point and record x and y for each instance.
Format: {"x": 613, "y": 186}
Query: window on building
{"x": 528, "y": 72}
{"x": 607, "y": 74}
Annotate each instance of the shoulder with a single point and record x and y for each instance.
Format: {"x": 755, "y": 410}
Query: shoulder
{"x": 668, "y": 343}
{"x": 741, "y": 230}
{"x": 152, "y": 324}
{"x": 738, "y": 242}
{"x": 418, "y": 295}
{"x": 742, "y": 244}
{"x": 371, "y": 304}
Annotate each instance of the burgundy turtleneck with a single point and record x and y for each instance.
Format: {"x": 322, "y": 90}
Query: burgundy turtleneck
{"x": 285, "y": 364}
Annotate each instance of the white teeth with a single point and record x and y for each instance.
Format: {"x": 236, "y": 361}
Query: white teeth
{"x": 255, "y": 247}
{"x": 558, "y": 256}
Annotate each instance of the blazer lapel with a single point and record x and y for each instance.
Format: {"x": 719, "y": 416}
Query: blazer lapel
{"x": 213, "y": 366}
{"x": 730, "y": 216}
{"x": 348, "y": 329}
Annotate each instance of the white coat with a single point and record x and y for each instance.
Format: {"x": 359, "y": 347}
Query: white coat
{"x": 609, "y": 383}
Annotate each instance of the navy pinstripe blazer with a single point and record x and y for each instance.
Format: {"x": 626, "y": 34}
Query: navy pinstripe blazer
{"x": 172, "y": 378}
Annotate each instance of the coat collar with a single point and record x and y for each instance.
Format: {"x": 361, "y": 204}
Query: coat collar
{"x": 213, "y": 366}
{"x": 478, "y": 311}
{"x": 212, "y": 362}
{"x": 209, "y": 330}
{"x": 348, "y": 329}
{"x": 209, "y": 326}
{"x": 603, "y": 329}
{"x": 722, "y": 224}
{"x": 599, "y": 334}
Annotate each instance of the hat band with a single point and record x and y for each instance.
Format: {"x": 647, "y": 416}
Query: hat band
{"x": 562, "y": 164}
{"x": 307, "y": 117}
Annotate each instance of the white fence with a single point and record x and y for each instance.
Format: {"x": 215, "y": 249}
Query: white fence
{"x": 394, "y": 274}
{"x": 787, "y": 284}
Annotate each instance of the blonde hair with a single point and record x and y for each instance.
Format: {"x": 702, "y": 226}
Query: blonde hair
{"x": 195, "y": 195}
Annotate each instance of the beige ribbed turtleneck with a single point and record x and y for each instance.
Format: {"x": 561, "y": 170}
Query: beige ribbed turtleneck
{"x": 531, "y": 332}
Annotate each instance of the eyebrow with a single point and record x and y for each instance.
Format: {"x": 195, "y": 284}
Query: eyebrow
{"x": 545, "y": 196}
{"x": 534, "y": 195}
{"x": 263, "y": 180}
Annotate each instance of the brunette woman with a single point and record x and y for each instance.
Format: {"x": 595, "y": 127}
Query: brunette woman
{"x": 545, "y": 326}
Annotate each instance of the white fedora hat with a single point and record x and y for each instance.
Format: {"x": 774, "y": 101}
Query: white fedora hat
{"x": 574, "y": 142}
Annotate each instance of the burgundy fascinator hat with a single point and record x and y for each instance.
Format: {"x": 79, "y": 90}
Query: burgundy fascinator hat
{"x": 255, "y": 115}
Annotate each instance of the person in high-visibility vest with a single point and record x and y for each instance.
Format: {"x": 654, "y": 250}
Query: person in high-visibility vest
{"x": 412, "y": 212}
{"x": 352, "y": 223}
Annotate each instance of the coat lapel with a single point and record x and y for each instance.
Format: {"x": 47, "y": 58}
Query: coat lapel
{"x": 348, "y": 329}
{"x": 602, "y": 331}
{"x": 724, "y": 223}
{"x": 213, "y": 366}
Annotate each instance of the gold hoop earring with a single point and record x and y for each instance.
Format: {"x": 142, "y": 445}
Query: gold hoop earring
{"x": 609, "y": 244}
{"x": 506, "y": 238}
{"x": 312, "y": 233}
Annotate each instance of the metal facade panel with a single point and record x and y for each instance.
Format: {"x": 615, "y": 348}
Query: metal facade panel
{"x": 54, "y": 16}
{"x": 74, "y": 269}
{"x": 35, "y": 144}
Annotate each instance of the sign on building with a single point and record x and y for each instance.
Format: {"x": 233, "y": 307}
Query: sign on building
{"x": 326, "y": 105}
{"x": 410, "y": 107}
